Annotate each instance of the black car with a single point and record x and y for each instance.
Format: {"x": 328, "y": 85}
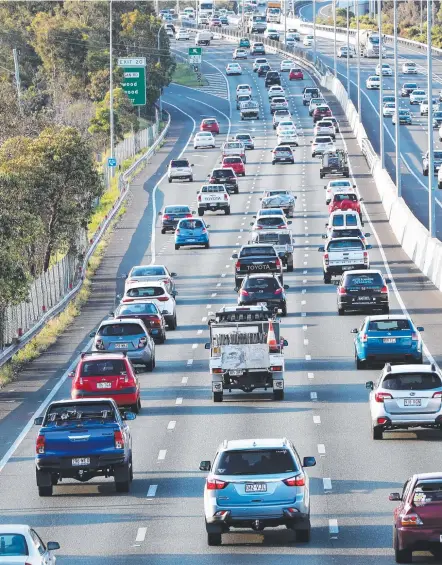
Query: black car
{"x": 272, "y": 78}
{"x": 408, "y": 88}
{"x": 437, "y": 161}
{"x": 363, "y": 290}
{"x": 265, "y": 289}
{"x": 227, "y": 177}
{"x": 171, "y": 215}
{"x": 149, "y": 313}
{"x": 263, "y": 70}
{"x": 246, "y": 139}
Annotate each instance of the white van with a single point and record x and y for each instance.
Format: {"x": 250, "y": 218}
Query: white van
{"x": 203, "y": 38}
{"x": 343, "y": 219}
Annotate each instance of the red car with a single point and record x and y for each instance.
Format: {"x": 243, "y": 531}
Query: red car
{"x": 149, "y": 313}
{"x": 296, "y": 74}
{"x": 109, "y": 375}
{"x": 235, "y": 163}
{"x": 417, "y": 522}
{"x": 345, "y": 201}
{"x": 321, "y": 112}
{"x": 210, "y": 124}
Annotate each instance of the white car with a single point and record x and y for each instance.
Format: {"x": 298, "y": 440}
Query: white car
{"x": 286, "y": 65}
{"x": 314, "y": 102}
{"x": 342, "y": 52}
{"x": 308, "y": 40}
{"x": 424, "y": 107}
{"x": 373, "y": 83}
{"x": 182, "y": 34}
{"x": 240, "y": 54}
{"x": 21, "y": 545}
{"x": 325, "y": 127}
{"x": 259, "y": 61}
{"x": 203, "y": 139}
{"x": 386, "y": 70}
{"x": 409, "y": 68}
{"x": 285, "y": 125}
{"x": 418, "y": 96}
{"x": 288, "y": 137}
{"x": 388, "y": 109}
{"x": 281, "y": 115}
{"x": 343, "y": 219}
{"x": 439, "y": 176}
{"x": 149, "y": 273}
{"x": 271, "y": 33}
{"x": 243, "y": 89}
{"x": 270, "y": 222}
{"x": 275, "y": 90}
{"x": 322, "y": 143}
{"x": 169, "y": 32}
{"x": 336, "y": 185}
{"x": 156, "y": 292}
{"x": 233, "y": 69}
{"x": 180, "y": 169}
{"x": 289, "y": 42}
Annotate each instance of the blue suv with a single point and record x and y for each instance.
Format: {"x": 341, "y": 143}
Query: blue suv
{"x": 257, "y": 483}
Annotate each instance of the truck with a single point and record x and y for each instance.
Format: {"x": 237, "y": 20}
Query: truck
{"x": 257, "y": 24}
{"x": 343, "y": 254}
{"x": 205, "y": 8}
{"x": 203, "y": 38}
{"x": 334, "y": 163}
{"x": 246, "y": 351}
{"x": 273, "y": 15}
{"x": 213, "y": 197}
{"x": 249, "y": 110}
{"x": 369, "y": 42}
{"x": 253, "y": 258}
{"x": 81, "y": 439}
{"x": 282, "y": 241}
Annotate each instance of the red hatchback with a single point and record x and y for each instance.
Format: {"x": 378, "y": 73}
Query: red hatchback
{"x": 345, "y": 202}
{"x": 107, "y": 375}
{"x": 210, "y": 124}
{"x": 296, "y": 74}
{"x": 417, "y": 523}
{"x": 149, "y": 313}
{"x": 321, "y": 112}
{"x": 235, "y": 163}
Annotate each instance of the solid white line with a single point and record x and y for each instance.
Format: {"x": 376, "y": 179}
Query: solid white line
{"x": 179, "y": 400}
{"x": 305, "y": 328}
{"x": 311, "y": 375}
{"x": 184, "y": 380}
{"x": 151, "y": 492}
{"x": 321, "y": 449}
{"x": 327, "y": 483}
{"x": 141, "y": 533}
{"x": 204, "y": 319}
{"x": 194, "y": 346}
{"x": 308, "y": 357}
{"x": 162, "y": 454}
{"x": 305, "y": 341}
{"x": 208, "y": 306}
{"x": 171, "y": 425}
{"x": 189, "y": 362}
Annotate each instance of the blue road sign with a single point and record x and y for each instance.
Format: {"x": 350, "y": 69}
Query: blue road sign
{"x": 111, "y": 162}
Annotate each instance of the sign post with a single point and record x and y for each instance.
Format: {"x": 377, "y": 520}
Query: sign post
{"x": 134, "y": 79}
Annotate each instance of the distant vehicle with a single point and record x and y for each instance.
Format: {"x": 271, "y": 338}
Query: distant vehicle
{"x": 315, "y": 101}
{"x": 343, "y": 254}
{"x": 259, "y": 61}
{"x": 233, "y": 69}
{"x": 386, "y": 70}
{"x": 373, "y": 82}
{"x": 388, "y": 109}
{"x": 403, "y": 116}
{"x": 285, "y": 65}
{"x": 182, "y": 34}
{"x": 417, "y": 96}
{"x": 180, "y": 169}
{"x": 203, "y": 139}
{"x": 283, "y": 154}
{"x": 272, "y": 78}
{"x": 213, "y": 197}
{"x": 244, "y": 42}
{"x": 335, "y": 186}
{"x": 203, "y": 38}
{"x": 322, "y": 143}
{"x": 283, "y": 242}
{"x": 363, "y": 290}
{"x": 171, "y": 215}
{"x": 320, "y": 112}
{"x": 227, "y": 177}
{"x": 246, "y": 139}
{"x": 368, "y": 42}
{"x": 150, "y": 314}
{"x": 409, "y": 68}
{"x": 210, "y": 124}
{"x": 344, "y": 52}
{"x": 240, "y": 54}
{"x": 192, "y": 232}
{"x": 236, "y": 163}
{"x": 155, "y": 291}
{"x": 408, "y": 88}
{"x": 423, "y": 110}
{"x": 280, "y": 198}
{"x": 257, "y": 48}
{"x": 308, "y": 40}
{"x": 280, "y": 115}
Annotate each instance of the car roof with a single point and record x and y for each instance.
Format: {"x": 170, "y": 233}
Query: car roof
{"x": 426, "y": 368}
{"x": 383, "y": 317}
{"x": 93, "y": 356}
{"x": 423, "y": 476}
{"x": 113, "y": 321}
{"x": 82, "y": 401}
{"x": 152, "y": 283}
{"x": 241, "y": 444}
{"x": 14, "y": 529}
{"x": 362, "y": 271}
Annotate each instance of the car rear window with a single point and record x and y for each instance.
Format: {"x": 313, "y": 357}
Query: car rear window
{"x": 209, "y": 122}
{"x": 389, "y": 325}
{"x": 62, "y": 414}
{"x": 223, "y": 173}
{"x": 337, "y": 244}
{"x": 438, "y": 154}
{"x": 256, "y": 462}
{"x": 180, "y": 163}
{"x": 411, "y": 381}
{"x": 323, "y": 139}
{"x": 410, "y": 85}
{"x": 426, "y": 492}
{"x": 262, "y": 283}
{"x": 295, "y": 70}
{"x": 242, "y": 136}
{"x": 255, "y": 251}
{"x": 269, "y": 221}
{"x": 177, "y": 210}
{"x": 136, "y": 309}
{"x": 213, "y": 188}
{"x": 145, "y": 292}
{"x": 148, "y": 271}
{"x": 272, "y": 74}
{"x": 274, "y": 238}
{"x": 191, "y": 224}
{"x": 232, "y": 160}
{"x": 13, "y": 545}
{"x": 119, "y": 329}
{"x": 104, "y": 368}
{"x": 371, "y": 279}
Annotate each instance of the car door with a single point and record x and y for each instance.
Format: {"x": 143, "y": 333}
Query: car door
{"x": 40, "y": 549}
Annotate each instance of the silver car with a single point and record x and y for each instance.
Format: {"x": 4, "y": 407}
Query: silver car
{"x": 148, "y": 273}
{"x": 406, "y": 396}
{"x": 257, "y": 484}
{"x": 127, "y": 334}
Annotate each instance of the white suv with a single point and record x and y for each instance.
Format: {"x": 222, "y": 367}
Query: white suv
{"x": 156, "y": 292}
{"x": 180, "y": 169}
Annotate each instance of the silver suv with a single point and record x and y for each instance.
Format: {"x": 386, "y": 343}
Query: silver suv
{"x": 257, "y": 483}
{"x": 406, "y": 396}
{"x": 180, "y": 169}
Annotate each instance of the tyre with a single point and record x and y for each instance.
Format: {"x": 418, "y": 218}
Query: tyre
{"x": 304, "y": 535}
{"x": 284, "y": 310}
{"x": 243, "y": 174}
{"x": 45, "y": 491}
{"x": 214, "y": 539}
{"x": 419, "y": 360}
{"x": 217, "y": 396}
{"x": 169, "y": 179}
{"x": 163, "y": 231}
{"x": 290, "y": 267}
{"x": 200, "y": 212}
{"x": 227, "y": 211}
{"x": 176, "y": 246}
{"x": 173, "y": 324}
{"x": 401, "y": 555}
{"x": 341, "y": 311}
{"x": 278, "y": 395}
{"x": 360, "y": 364}
{"x": 135, "y": 408}
{"x": 162, "y": 339}
{"x": 191, "y": 179}
{"x": 376, "y": 432}
{"x": 122, "y": 478}
{"x": 151, "y": 365}
{"x": 327, "y": 278}
{"x": 236, "y": 191}
{"x": 54, "y": 479}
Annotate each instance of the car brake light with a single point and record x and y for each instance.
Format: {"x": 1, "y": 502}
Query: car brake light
{"x": 142, "y": 342}
{"x": 275, "y": 368}
{"x": 243, "y": 292}
{"x": 278, "y": 262}
{"x": 237, "y": 265}
{"x": 166, "y": 217}
{"x": 342, "y": 290}
{"x": 411, "y": 519}
{"x": 364, "y": 338}
{"x": 384, "y": 290}
{"x": 298, "y": 481}
{"x": 199, "y": 197}
{"x": 204, "y": 230}
{"x": 278, "y": 291}
{"x": 365, "y": 257}
{"x": 381, "y": 396}
{"x": 326, "y": 259}
{"x": 99, "y": 344}
{"x": 225, "y": 197}
{"x": 189, "y": 216}
{"x": 414, "y": 336}
{"x": 215, "y": 484}
{"x": 118, "y": 439}
{"x": 40, "y": 445}
{"x": 162, "y": 298}
{"x": 177, "y": 232}
{"x": 166, "y": 281}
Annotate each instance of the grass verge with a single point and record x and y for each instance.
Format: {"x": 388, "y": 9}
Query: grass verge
{"x": 185, "y": 76}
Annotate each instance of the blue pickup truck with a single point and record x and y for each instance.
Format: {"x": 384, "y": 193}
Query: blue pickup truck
{"x": 82, "y": 439}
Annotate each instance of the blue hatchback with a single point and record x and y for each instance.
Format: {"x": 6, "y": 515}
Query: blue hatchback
{"x": 387, "y": 339}
{"x": 192, "y": 232}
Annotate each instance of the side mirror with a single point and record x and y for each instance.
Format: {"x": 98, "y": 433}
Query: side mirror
{"x": 173, "y": 275}
{"x": 253, "y": 216}
{"x": 368, "y": 247}
{"x": 286, "y": 286}
{"x": 369, "y": 385}
{"x": 128, "y": 416}
{"x": 395, "y": 497}
{"x": 311, "y": 141}
{"x": 354, "y": 331}
{"x": 289, "y": 222}
{"x": 192, "y": 165}
{"x": 324, "y": 236}
{"x": 325, "y": 187}
{"x": 38, "y": 421}
{"x": 420, "y": 328}
{"x": 361, "y": 200}
{"x": 235, "y": 256}
{"x": 205, "y": 466}
{"x": 321, "y": 249}
{"x": 388, "y": 281}
{"x": 111, "y": 313}
{"x": 193, "y": 212}
{"x": 92, "y": 334}
{"x": 285, "y": 343}
{"x": 309, "y": 462}
{"x": 71, "y": 374}
{"x": 124, "y": 275}
{"x": 160, "y": 213}
{"x": 354, "y": 186}
{"x": 207, "y": 226}
{"x": 251, "y": 223}
{"x": 52, "y": 545}
{"x": 207, "y": 346}
{"x": 337, "y": 283}
{"x": 368, "y": 234}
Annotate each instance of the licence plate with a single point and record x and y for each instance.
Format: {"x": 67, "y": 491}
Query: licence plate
{"x": 389, "y": 340}
{"x": 121, "y": 346}
{"x": 192, "y": 239}
{"x": 104, "y": 385}
{"x": 412, "y": 402}
{"x": 256, "y": 487}
{"x": 80, "y": 461}
{"x": 236, "y": 373}
{"x": 362, "y": 298}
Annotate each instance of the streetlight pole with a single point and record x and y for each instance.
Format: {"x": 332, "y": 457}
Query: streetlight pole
{"x": 335, "y": 62}
{"x": 359, "y": 61}
{"x": 381, "y": 89}
{"x": 396, "y": 102}
{"x": 348, "y": 50}
{"x": 111, "y": 86}
{"x": 431, "y": 191}
{"x": 314, "y": 30}
{"x": 285, "y": 23}
{"x": 159, "y": 65}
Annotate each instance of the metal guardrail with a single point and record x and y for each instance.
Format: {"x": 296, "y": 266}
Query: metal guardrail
{"x": 8, "y": 352}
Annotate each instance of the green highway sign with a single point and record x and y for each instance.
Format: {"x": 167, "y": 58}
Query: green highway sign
{"x": 195, "y": 51}
{"x": 134, "y": 84}
{"x": 195, "y": 55}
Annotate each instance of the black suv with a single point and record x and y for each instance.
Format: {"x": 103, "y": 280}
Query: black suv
{"x": 272, "y": 78}
{"x": 408, "y": 88}
{"x": 263, "y": 70}
{"x": 227, "y": 177}
{"x": 264, "y": 288}
{"x": 363, "y": 290}
{"x": 437, "y": 161}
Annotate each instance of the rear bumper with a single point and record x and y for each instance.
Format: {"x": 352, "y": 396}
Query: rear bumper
{"x": 169, "y": 225}
{"x": 339, "y": 269}
{"x": 388, "y": 356}
{"x": 347, "y": 302}
{"x": 139, "y": 356}
{"x": 126, "y": 398}
{"x": 197, "y": 241}
{"x": 268, "y": 517}
{"x": 419, "y": 538}
{"x": 405, "y": 420}
{"x": 64, "y": 464}
{"x": 213, "y": 205}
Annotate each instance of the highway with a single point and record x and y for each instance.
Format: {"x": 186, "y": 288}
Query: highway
{"x": 325, "y": 411}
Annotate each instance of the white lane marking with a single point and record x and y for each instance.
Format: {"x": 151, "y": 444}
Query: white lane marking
{"x": 204, "y": 319}
{"x": 327, "y": 483}
{"x": 151, "y": 492}
{"x": 304, "y": 290}
{"x": 213, "y": 294}
{"x": 218, "y": 284}
{"x": 304, "y": 272}
{"x": 310, "y": 375}
{"x": 303, "y": 302}
{"x": 184, "y": 380}
{"x": 141, "y": 534}
{"x": 308, "y": 357}
{"x": 321, "y": 449}
{"x": 305, "y": 341}
{"x": 304, "y": 281}
{"x": 303, "y": 314}
{"x": 316, "y": 419}
{"x": 189, "y": 362}
{"x": 162, "y": 454}
{"x": 179, "y": 400}
{"x": 313, "y": 396}
{"x": 208, "y": 306}
{"x": 171, "y": 425}
{"x": 333, "y": 527}
{"x": 199, "y": 332}
{"x": 223, "y": 274}
{"x": 194, "y": 345}
{"x": 304, "y": 328}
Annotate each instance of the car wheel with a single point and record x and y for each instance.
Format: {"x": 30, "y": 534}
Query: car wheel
{"x": 377, "y": 432}
{"x": 290, "y": 265}
{"x": 401, "y": 555}
{"x": 191, "y": 179}
{"x": 214, "y": 539}
{"x": 284, "y": 310}
{"x": 341, "y": 311}
{"x": 386, "y": 310}
{"x": 419, "y": 360}
{"x": 45, "y": 491}
{"x": 227, "y": 211}
{"x": 173, "y": 324}
{"x": 123, "y": 473}
{"x": 169, "y": 179}
{"x": 200, "y": 212}
{"x": 176, "y": 246}
{"x": 278, "y": 394}
{"x": 327, "y": 278}
{"x": 360, "y": 364}
{"x": 151, "y": 365}
{"x": 163, "y": 231}
{"x": 304, "y": 535}
{"x": 217, "y": 396}
{"x": 135, "y": 408}
{"x": 207, "y": 246}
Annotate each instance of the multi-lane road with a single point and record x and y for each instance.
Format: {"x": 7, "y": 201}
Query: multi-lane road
{"x": 325, "y": 411}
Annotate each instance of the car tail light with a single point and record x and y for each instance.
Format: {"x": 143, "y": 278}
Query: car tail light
{"x": 217, "y": 370}
{"x": 410, "y": 520}
{"x": 177, "y": 232}
{"x": 326, "y": 258}
{"x": 437, "y": 395}
{"x": 276, "y": 368}
{"x": 78, "y": 383}
{"x": 278, "y": 291}
{"x": 382, "y": 421}
{"x": 225, "y": 197}
{"x": 365, "y": 256}
{"x": 199, "y": 197}
{"x": 40, "y": 445}
{"x": 166, "y": 217}
{"x": 243, "y": 292}
{"x": 204, "y": 230}
{"x": 278, "y": 262}
{"x": 364, "y": 338}
{"x": 189, "y": 216}
{"x": 414, "y": 336}
{"x": 99, "y": 344}
{"x": 342, "y": 290}
{"x": 237, "y": 265}
{"x": 215, "y": 484}
{"x": 118, "y": 439}
{"x": 384, "y": 290}
{"x": 155, "y": 322}
{"x": 142, "y": 342}
{"x": 162, "y": 298}
{"x": 166, "y": 281}
{"x": 298, "y": 481}
{"x": 381, "y": 396}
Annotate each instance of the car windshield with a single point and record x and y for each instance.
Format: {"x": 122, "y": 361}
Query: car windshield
{"x": 255, "y": 250}
{"x": 256, "y": 462}
{"x": 120, "y": 329}
{"x": 145, "y": 292}
{"x": 412, "y": 85}
{"x": 104, "y": 368}
{"x": 337, "y": 244}
{"x": 181, "y": 163}
{"x": 150, "y": 271}
{"x": 204, "y": 134}
{"x": 389, "y": 325}
{"x": 190, "y": 224}
{"x": 13, "y": 545}
{"x": 231, "y": 160}
{"x": 411, "y": 381}
{"x": 136, "y": 309}
{"x": 269, "y": 221}
{"x": 339, "y": 183}
{"x": 371, "y": 279}
{"x": 243, "y": 136}
{"x": 419, "y": 92}
{"x": 345, "y": 196}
